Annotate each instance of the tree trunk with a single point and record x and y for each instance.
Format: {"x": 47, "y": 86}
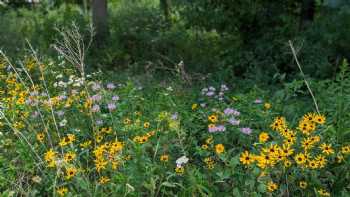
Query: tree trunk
{"x": 100, "y": 22}
{"x": 165, "y": 6}
{"x": 308, "y": 9}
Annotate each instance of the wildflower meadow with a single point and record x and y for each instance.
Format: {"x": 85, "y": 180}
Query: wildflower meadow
{"x": 71, "y": 124}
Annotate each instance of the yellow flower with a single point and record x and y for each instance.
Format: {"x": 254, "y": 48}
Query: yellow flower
{"x": 345, "y": 149}
{"x": 164, "y": 158}
{"x": 100, "y": 164}
{"x": 263, "y": 137}
{"x": 179, "y": 169}
{"x": 85, "y": 144}
{"x": 339, "y": 158}
{"x": 69, "y": 156}
{"x": 287, "y": 163}
{"x": 271, "y": 186}
{"x": 194, "y": 106}
{"x": 307, "y": 144}
{"x": 205, "y": 146}
{"x": 127, "y": 121}
{"x": 327, "y": 149}
{"x": 67, "y": 140}
{"x": 322, "y": 161}
{"x": 323, "y": 192}
{"x": 213, "y": 118}
{"x": 50, "y": 155}
{"x": 62, "y": 191}
{"x": 302, "y": 184}
{"x": 246, "y": 158}
{"x": 70, "y": 172}
{"x": 320, "y": 119}
{"x": 40, "y": 137}
{"x": 313, "y": 164}
{"x": 146, "y": 125}
{"x": 219, "y": 148}
{"x": 300, "y": 158}
{"x": 267, "y": 106}
{"x": 103, "y": 180}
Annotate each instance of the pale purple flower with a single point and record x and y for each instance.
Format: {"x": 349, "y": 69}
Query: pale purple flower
{"x": 246, "y": 130}
{"x": 258, "y": 101}
{"x": 210, "y": 93}
{"x": 174, "y": 116}
{"x": 233, "y": 121}
{"x": 115, "y": 98}
{"x": 99, "y": 122}
{"x": 110, "y": 86}
{"x": 95, "y": 108}
{"x": 111, "y": 106}
{"x": 203, "y": 105}
{"x": 96, "y": 97}
{"x": 228, "y": 111}
{"x": 219, "y": 128}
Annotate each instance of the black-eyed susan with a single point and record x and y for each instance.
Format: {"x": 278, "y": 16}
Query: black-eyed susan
{"x": 327, "y": 149}
{"x": 146, "y": 125}
{"x": 320, "y": 119}
{"x": 322, "y": 161}
{"x": 164, "y": 158}
{"x": 204, "y": 146}
{"x": 246, "y": 158}
{"x": 219, "y": 148}
{"x": 271, "y": 186}
{"x": 303, "y": 184}
{"x": 61, "y": 191}
{"x": 323, "y": 192}
{"x": 345, "y": 149}
{"x": 267, "y": 106}
{"x": 263, "y": 137}
{"x": 313, "y": 164}
{"x": 69, "y": 156}
{"x": 40, "y": 137}
{"x": 103, "y": 180}
{"x": 300, "y": 158}
{"x": 179, "y": 169}
{"x": 71, "y": 172}
{"x": 213, "y": 118}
